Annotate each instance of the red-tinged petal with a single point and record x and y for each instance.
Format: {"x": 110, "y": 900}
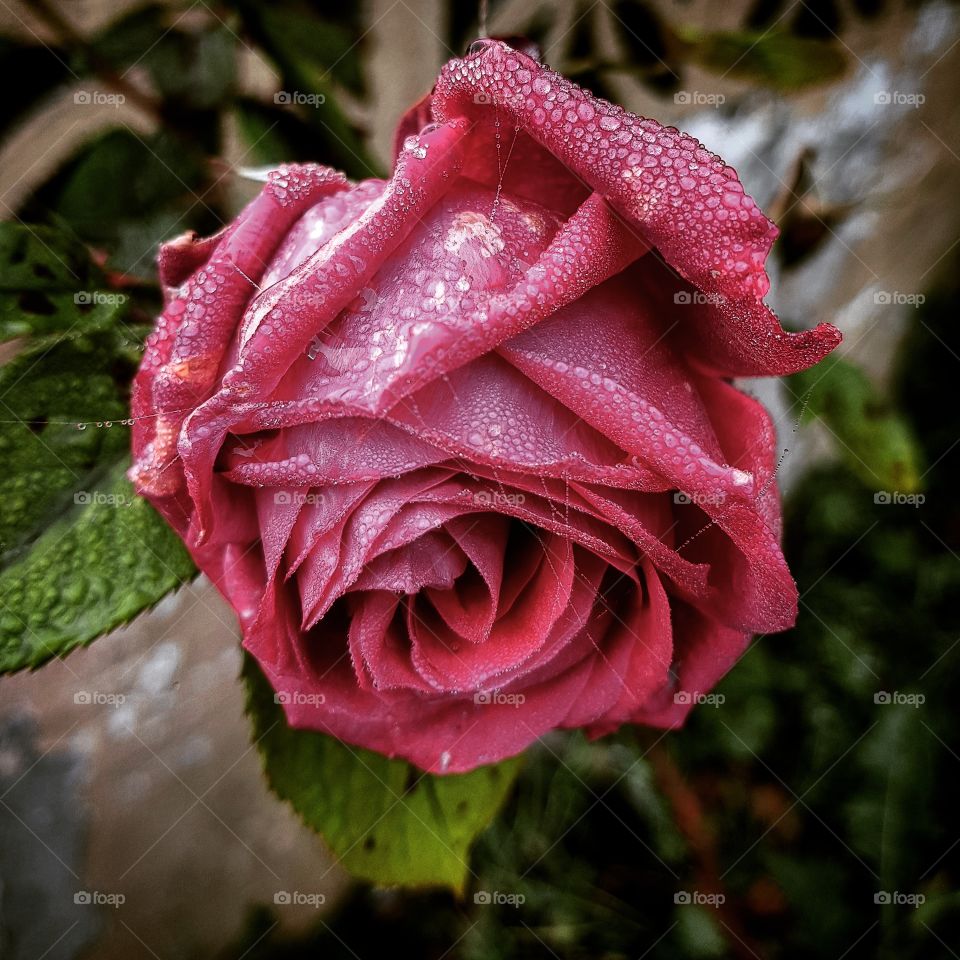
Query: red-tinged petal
{"x": 278, "y": 512}
{"x": 752, "y": 587}
{"x": 590, "y": 247}
{"x": 180, "y": 366}
{"x": 487, "y": 412}
{"x": 545, "y": 512}
{"x": 346, "y": 450}
{"x": 432, "y": 561}
{"x": 470, "y": 608}
{"x": 323, "y": 575}
{"x": 180, "y": 258}
{"x": 451, "y": 666}
{"x": 313, "y": 230}
{"x": 650, "y": 522}
{"x": 682, "y": 198}
{"x": 286, "y": 316}
{"x": 634, "y": 659}
{"x": 411, "y": 123}
{"x": 728, "y": 337}
{"x": 705, "y": 653}
{"x": 448, "y": 735}
{"x": 378, "y": 646}
{"x": 320, "y": 518}
{"x": 622, "y": 380}
{"x": 452, "y": 258}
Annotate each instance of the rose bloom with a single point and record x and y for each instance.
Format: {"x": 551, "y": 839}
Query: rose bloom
{"x": 461, "y": 448}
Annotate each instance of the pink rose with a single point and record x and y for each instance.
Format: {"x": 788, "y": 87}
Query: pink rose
{"x": 461, "y": 448}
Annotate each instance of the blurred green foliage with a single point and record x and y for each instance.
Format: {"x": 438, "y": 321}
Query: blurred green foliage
{"x": 871, "y": 435}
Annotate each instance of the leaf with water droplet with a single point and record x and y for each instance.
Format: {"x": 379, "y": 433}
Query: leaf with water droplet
{"x": 70, "y": 568}
{"x": 386, "y": 821}
{"x": 49, "y": 287}
{"x": 99, "y": 564}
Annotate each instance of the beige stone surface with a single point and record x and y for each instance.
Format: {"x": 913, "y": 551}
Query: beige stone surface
{"x": 180, "y": 821}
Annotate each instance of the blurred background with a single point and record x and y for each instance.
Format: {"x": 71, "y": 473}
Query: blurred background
{"x": 809, "y": 811}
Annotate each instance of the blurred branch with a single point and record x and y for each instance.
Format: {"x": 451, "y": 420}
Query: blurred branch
{"x": 693, "y": 825}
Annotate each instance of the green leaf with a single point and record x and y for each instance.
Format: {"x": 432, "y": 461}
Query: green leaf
{"x": 195, "y": 68}
{"x": 896, "y": 761}
{"x": 128, "y": 193}
{"x": 48, "y": 286}
{"x": 40, "y": 258}
{"x": 386, "y": 821}
{"x": 699, "y": 931}
{"x": 44, "y": 395}
{"x": 79, "y": 554}
{"x": 322, "y": 49}
{"x": 311, "y": 55}
{"x": 95, "y": 568}
{"x": 126, "y": 39}
{"x": 875, "y": 440}
{"x": 273, "y": 135}
{"x": 779, "y": 59}
{"x": 119, "y": 175}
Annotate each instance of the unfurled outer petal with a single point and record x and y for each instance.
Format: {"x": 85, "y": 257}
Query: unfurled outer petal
{"x": 681, "y": 198}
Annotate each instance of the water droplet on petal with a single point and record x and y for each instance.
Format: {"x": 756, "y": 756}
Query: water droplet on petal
{"x": 586, "y": 111}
